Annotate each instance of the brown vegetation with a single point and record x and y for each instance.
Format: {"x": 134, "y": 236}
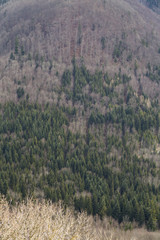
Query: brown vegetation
{"x": 34, "y": 220}
{"x": 44, "y": 36}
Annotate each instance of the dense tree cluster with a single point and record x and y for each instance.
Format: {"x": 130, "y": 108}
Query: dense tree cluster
{"x": 153, "y": 72}
{"x": 38, "y": 153}
{"x": 102, "y": 171}
{"x": 3, "y": 2}
{"x": 153, "y": 3}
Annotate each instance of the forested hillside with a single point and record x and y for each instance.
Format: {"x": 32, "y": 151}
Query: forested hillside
{"x": 111, "y": 168}
{"x": 79, "y": 107}
{"x": 153, "y": 3}
{"x": 3, "y": 2}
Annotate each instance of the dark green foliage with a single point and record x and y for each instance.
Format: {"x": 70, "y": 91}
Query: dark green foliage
{"x": 96, "y": 118}
{"x": 153, "y": 3}
{"x": 3, "y": 2}
{"x": 66, "y": 78}
{"x": 97, "y": 82}
{"x": 12, "y": 57}
{"x": 101, "y": 171}
{"x": 144, "y": 42}
{"x": 118, "y": 50}
{"x": 20, "y": 92}
{"x": 22, "y": 50}
{"x": 103, "y": 42}
{"x": 153, "y": 73}
{"x": 129, "y": 57}
{"x": 81, "y": 78}
{"x": 93, "y": 27}
{"x": 39, "y": 154}
{"x": 79, "y": 82}
{"x": 16, "y": 46}
{"x": 50, "y": 66}
{"x": 79, "y": 40}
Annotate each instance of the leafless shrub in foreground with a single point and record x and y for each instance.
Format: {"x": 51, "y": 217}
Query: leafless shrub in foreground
{"x": 40, "y": 221}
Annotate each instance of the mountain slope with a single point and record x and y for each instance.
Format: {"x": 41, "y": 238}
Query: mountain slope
{"x": 79, "y": 113}
{"x": 106, "y": 34}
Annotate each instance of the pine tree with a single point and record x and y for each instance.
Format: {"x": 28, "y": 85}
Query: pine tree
{"x": 89, "y": 205}
{"x": 102, "y": 207}
{"x": 16, "y": 46}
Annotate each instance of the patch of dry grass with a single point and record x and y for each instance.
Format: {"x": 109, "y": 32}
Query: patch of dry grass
{"x": 38, "y": 221}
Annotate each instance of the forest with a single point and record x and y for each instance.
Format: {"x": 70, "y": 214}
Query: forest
{"x": 79, "y": 108}
{"x": 153, "y": 3}
{"x": 100, "y": 171}
{"x": 3, "y": 2}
